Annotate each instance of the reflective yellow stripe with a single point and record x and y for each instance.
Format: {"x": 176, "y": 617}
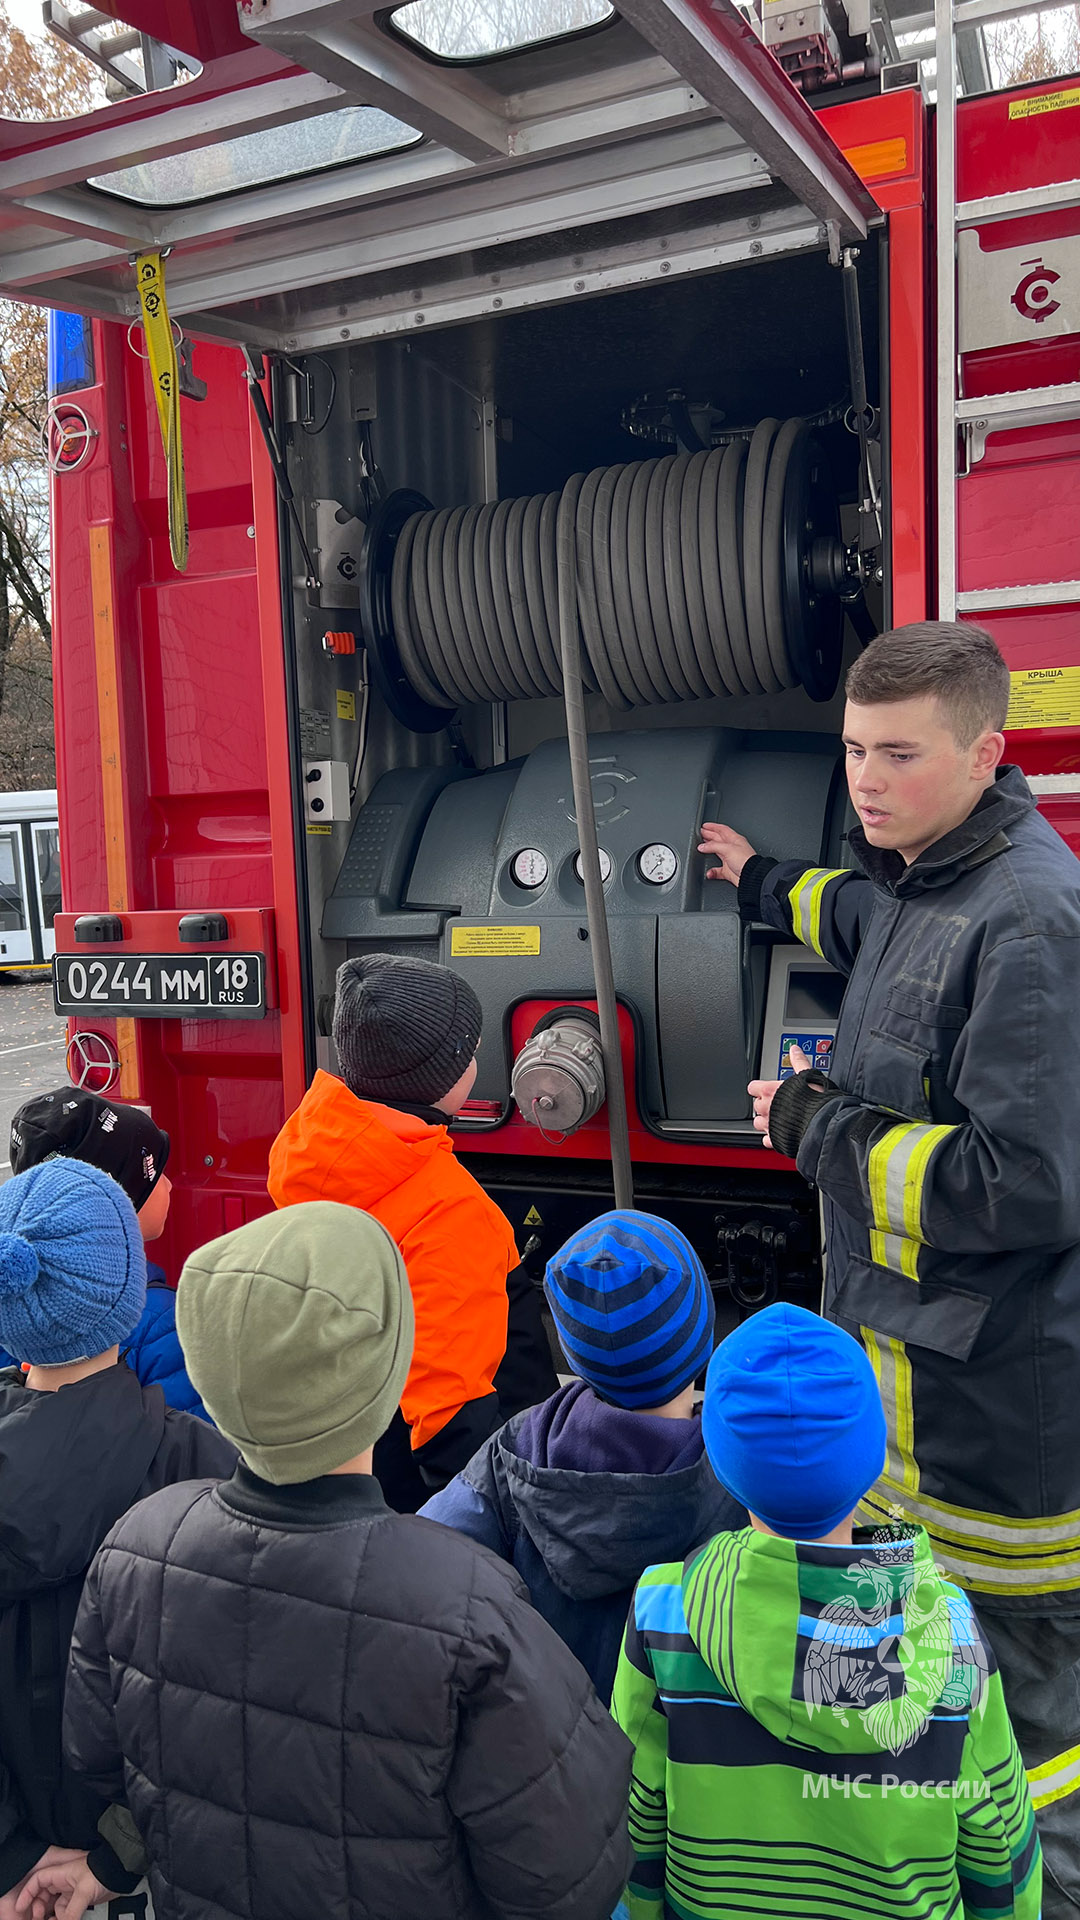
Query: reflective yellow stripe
{"x": 892, "y": 1371}
{"x": 1055, "y": 1779}
{"x": 165, "y": 378}
{"x": 896, "y": 1175}
{"x": 988, "y": 1552}
{"x": 805, "y": 899}
{"x": 892, "y": 1250}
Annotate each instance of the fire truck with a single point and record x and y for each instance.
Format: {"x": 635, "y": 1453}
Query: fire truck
{"x": 480, "y": 439}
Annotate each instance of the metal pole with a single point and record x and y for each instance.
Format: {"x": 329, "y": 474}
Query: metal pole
{"x": 945, "y": 249}
{"x": 595, "y": 905}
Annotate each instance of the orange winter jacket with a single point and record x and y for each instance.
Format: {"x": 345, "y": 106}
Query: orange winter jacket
{"x": 456, "y": 1244}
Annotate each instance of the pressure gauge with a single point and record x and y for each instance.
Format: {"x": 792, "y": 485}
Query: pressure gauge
{"x": 657, "y": 864}
{"x": 529, "y": 867}
{"x": 605, "y": 866}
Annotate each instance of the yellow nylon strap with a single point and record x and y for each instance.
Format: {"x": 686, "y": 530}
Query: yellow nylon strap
{"x": 165, "y": 375}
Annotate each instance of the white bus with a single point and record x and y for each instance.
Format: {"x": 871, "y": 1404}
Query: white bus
{"x": 29, "y": 880}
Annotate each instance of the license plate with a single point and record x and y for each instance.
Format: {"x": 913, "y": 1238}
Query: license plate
{"x": 175, "y": 986}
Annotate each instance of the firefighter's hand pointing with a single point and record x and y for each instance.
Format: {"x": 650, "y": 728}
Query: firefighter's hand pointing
{"x": 762, "y": 1092}
{"x": 728, "y": 848}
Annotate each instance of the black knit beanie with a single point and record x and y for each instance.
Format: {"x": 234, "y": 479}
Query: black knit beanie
{"x": 403, "y": 1029}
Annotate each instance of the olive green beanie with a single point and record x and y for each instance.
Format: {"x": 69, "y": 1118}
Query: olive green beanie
{"x": 297, "y": 1331}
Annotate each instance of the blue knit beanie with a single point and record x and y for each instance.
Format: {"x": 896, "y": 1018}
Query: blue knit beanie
{"x": 793, "y": 1422}
{"x": 632, "y": 1307}
{"x": 72, "y": 1265}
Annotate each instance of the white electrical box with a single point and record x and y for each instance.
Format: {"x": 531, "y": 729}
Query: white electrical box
{"x": 326, "y": 790}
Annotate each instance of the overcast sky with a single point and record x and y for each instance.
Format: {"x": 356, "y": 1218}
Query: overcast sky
{"x": 25, "y": 14}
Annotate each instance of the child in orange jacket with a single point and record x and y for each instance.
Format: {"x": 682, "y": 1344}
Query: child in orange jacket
{"x": 406, "y": 1033}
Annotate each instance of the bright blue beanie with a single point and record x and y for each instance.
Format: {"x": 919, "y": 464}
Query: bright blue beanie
{"x": 72, "y": 1265}
{"x": 632, "y": 1307}
{"x": 793, "y": 1422}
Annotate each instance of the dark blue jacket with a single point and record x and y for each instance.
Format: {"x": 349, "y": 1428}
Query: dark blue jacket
{"x": 581, "y": 1497}
{"x": 153, "y": 1352}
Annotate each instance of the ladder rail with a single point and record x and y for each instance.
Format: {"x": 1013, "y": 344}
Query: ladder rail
{"x": 947, "y": 372}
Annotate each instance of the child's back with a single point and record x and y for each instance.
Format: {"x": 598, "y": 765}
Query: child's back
{"x": 315, "y": 1705}
{"x": 836, "y": 1738}
{"x": 73, "y": 1458}
{"x": 818, "y": 1721}
{"x": 610, "y": 1474}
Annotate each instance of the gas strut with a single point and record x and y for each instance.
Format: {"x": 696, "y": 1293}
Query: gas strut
{"x": 277, "y": 462}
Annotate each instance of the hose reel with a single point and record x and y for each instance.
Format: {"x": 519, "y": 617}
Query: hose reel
{"x": 721, "y": 573}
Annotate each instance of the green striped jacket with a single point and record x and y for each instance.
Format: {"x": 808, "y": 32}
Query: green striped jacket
{"x": 819, "y": 1730}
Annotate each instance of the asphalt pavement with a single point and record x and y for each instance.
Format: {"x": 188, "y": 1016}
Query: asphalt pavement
{"x": 32, "y": 1049}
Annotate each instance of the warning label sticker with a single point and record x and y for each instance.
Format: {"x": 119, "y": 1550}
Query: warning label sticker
{"x": 319, "y": 827}
{"x": 346, "y": 704}
{"x": 533, "y": 1219}
{"x": 476, "y": 943}
{"x": 1045, "y": 697}
{"x": 1044, "y": 103}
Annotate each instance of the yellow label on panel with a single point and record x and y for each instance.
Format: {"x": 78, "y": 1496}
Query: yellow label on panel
{"x": 346, "y": 704}
{"x": 1044, "y": 103}
{"x": 1045, "y": 697}
{"x": 475, "y": 943}
{"x": 319, "y": 826}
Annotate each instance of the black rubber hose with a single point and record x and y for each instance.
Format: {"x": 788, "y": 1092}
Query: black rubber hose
{"x": 566, "y": 548}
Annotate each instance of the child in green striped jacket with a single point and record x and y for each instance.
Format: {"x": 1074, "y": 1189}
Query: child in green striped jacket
{"x": 818, "y": 1720}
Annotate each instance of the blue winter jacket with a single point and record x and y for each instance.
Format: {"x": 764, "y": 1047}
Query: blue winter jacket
{"x": 153, "y": 1352}
{"x": 581, "y": 1497}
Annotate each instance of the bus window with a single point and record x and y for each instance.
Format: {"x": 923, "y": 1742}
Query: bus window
{"x": 12, "y": 903}
{"x": 47, "y": 856}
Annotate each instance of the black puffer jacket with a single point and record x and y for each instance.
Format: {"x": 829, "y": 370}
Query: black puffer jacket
{"x": 71, "y": 1462}
{"x": 320, "y": 1707}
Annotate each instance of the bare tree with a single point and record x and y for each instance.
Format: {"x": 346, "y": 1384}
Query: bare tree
{"x": 38, "y": 81}
{"x": 1036, "y": 46}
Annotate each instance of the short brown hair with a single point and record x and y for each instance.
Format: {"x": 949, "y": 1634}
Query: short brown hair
{"x": 961, "y": 665}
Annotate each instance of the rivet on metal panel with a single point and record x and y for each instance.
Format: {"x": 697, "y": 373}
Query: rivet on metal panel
{"x": 345, "y": 333}
{"x": 419, "y": 318}
{"x": 756, "y": 247}
{"x": 496, "y": 303}
{"x": 208, "y": 1159}
{"x": 579, "y": 286}
{"x": 665, "y": 266}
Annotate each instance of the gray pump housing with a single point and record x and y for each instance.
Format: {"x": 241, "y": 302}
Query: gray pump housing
{"x": 432, "y": 855}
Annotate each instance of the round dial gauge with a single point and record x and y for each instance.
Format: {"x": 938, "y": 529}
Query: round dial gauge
{"x": 605, "y": 866}
{"x": 657, "y": 864}
{"x": 529, "y": 867}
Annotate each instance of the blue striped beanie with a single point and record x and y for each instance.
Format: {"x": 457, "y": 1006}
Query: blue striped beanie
{"x": 632, "y": 1307}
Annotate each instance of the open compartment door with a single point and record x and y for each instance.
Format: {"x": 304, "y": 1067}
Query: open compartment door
{"x": 337, "y": 168}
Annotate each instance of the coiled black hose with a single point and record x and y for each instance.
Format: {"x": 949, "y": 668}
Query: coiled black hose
{"x": 680, "y": 569}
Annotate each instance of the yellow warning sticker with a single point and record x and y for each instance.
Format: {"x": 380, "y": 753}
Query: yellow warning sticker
{"x": 319, "y": 826}
{"x": 1044, "y": 103}
{"x": 532, "y": 1218}
{"x": 476, "y": 943}
{"x": 346, "y": 704}
{"x": 1045, "y": 697}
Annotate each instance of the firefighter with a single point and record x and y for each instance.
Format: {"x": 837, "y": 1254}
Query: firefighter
{"x": 944, "y": 1145}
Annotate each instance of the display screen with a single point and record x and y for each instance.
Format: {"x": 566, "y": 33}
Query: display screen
{"x": 813, "y": 995}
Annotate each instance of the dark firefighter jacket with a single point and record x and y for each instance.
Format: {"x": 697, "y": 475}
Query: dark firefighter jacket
{"x": 950, "y": 1170}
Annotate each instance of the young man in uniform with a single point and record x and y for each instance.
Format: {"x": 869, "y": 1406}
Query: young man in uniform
{"x": 944, "y": 1145}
